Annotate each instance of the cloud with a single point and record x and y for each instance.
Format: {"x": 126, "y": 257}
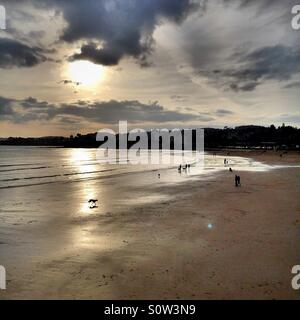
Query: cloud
{"x": 32, "y": 103}
{"x": 5, "y": 107}
{"x": 250, "y": 86}
{"x": 21, "y": 111}
{"x": 132, "y": 111}
{"x": 223, "y": 112}
{"x": 109, "y": 112}
{"x": 16, "y": 54}
{"x": 179, "y": 98}
{"x": 114, "y": 29}
{"x": 277, "y": 63}
{"x": 246, "y": 48}
{"x": 97, "y": 55}
{"x": 292, "y": 85}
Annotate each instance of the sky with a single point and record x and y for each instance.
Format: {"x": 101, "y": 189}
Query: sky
{"x": 78, "y": 66}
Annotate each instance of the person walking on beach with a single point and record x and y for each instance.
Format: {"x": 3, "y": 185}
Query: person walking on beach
{"x": 237, "y": 180}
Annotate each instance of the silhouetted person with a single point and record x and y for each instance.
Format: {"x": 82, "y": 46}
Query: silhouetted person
{"x": 230, "y": 169}
{"x": 236, "y": 180}
{"x": 239, "y": 180}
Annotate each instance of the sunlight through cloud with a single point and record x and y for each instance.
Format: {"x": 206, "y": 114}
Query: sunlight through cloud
{"x": 85, "y": 72}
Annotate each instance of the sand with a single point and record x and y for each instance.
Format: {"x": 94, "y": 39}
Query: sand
{"x": 201, "y": 239}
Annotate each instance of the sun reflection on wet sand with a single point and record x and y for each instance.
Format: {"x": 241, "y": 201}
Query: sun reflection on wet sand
{"x": 78, "y": 155}
{"x": 83, "y": 161}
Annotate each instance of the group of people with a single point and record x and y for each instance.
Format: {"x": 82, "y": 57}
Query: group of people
{"x": 237, "y": 178}
{"x": 183, "y": 167}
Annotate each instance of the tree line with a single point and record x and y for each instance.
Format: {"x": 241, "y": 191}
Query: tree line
{"x": 282, "y": 137}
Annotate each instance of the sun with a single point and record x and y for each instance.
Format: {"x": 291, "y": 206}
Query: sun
{"x": 85, "y": 72}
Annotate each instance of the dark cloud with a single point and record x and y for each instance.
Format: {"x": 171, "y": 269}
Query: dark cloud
{"x": 109, "y": 112}
{"x": 95, "y": 54}
{"x": 114, "y": 29}
{"x": 292, "y": 85}
{"x": 223, "y": 112}
{"x": 133, "y": 111}
{"x": 278, "y": 63}
{"x": 250, "y": 86}
{"x": 275, "y": 62}
{"x": 5, "y": 107}
{"x": 32, "y": 103}
{"x": 16, "y": 54}
{"x": 20, "y": 111}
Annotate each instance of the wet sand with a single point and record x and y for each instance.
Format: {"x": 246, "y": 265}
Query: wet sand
{"x": 201, "y": 239}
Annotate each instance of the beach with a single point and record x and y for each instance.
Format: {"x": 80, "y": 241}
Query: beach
{"x": 196, "y": 237}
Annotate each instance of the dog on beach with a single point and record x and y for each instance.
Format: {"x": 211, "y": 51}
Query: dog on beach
{"x": 93, "y": 203}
